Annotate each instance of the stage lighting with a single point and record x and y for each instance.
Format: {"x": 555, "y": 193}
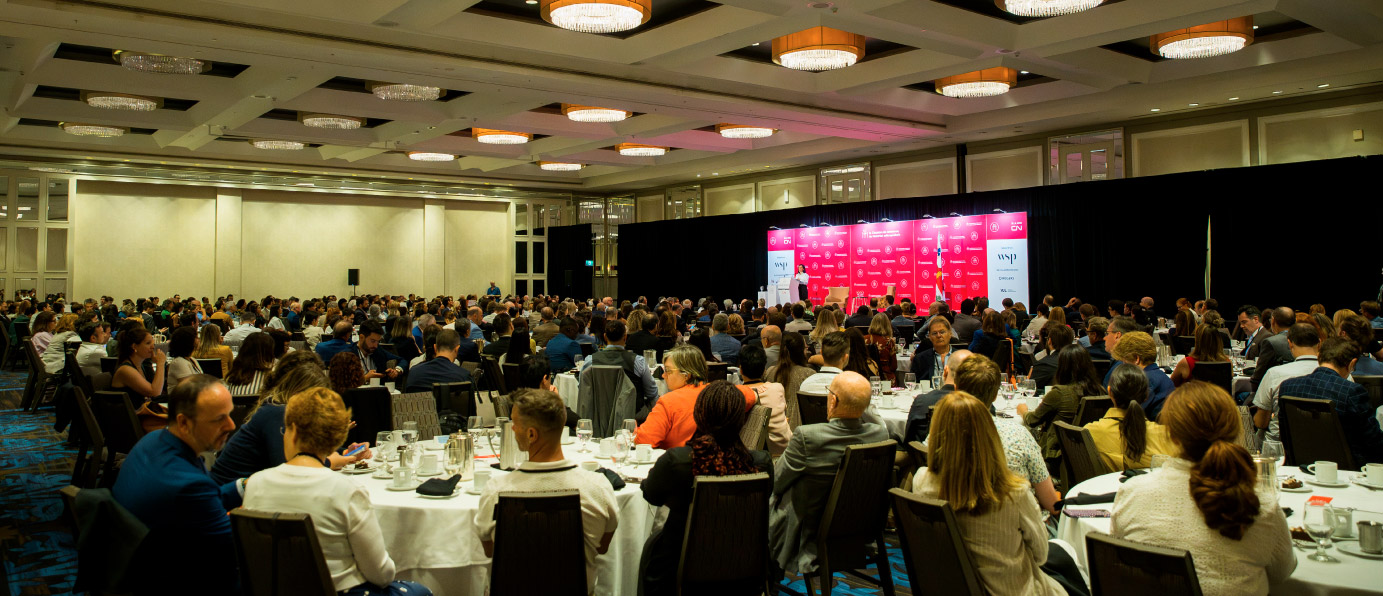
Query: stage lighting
{"x": 886, "y": 220}
{"x": 1000, "y": 211}
{"x": 954, "y": 214}
{"x": 928, "y": 216}
{"x": 774, "y": 228}
{"x": 861, "y": 221}
{"x": 803, "y": 226}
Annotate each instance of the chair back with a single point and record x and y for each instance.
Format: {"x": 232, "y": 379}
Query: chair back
{"x": 1078, "y": 455}
{"x": 279, "y": 554}
{"x": 607, "y": 397}
{"x": 586, "y": 349}
{"x": 932, "y": 546}
{"x": 1311, "y": 432}
{"x": 1128, "y": 568}
{"x": 1216, "y": 373}
{"x": 116, "y": 419}
{"x": 1093, "y": 408}
{"x": 1249, "y": 431}
{"x": 907, "y": 333}
{"x": 211, "y": 366}
{"x": 88, "y": 431}
{"x": 21, "y": 330}
{"x": 754, "y": 433}
{"x": 493, "y": 374}
{"x": 298, "y": 336}
{"x": 811, "y": 407}
{"x": 1374, "y": 385}
{"x": 917, "y": 452}
{"x": 1102, "y": 367}
{"x": 513, "y": 375}
{"x": 454, "y": 397}
{"x": 717, "y": 371}
{"x": 857, "y": 508}
{"x": 109, "y": 363}
{"x": 373, "y": 411}
{"x": 541, "y": 526}
{"x": 419, "y": 407}
{"x": 503, "y": 407}
{"x": 1183, "y": 344}
{"x": 725, "y": 546}
{"x": 1003, "y": 355}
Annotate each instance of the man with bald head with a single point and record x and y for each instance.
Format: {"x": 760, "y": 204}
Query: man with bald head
{"x": 807, "y": 469}
{"x": 1275, "y": 350}
{"x": 772, "y": 339}
{"x": 920, "y": 414}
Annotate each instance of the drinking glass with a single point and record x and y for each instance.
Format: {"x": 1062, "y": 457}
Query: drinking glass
{"x": 1029, "y": 388}
{"x": 382, "y": 445}
{"x": 937, "y": 382}
{"x": 455, "y": 459}
{"x": 1006, "y": 390}
{"x": 1319, "y": 521}
{"x": 412, "y": 458}
{"x": 876, "y": 387}
{"x": 622, "y": 440}
{"x": 584, "y": 431}
{"x": 630, "y": 425}
{"x": 474, "y": 423}
{"x": 1273, "y": 449}
{"x": 910, "y": 381}
{"x": 409, "y": 436}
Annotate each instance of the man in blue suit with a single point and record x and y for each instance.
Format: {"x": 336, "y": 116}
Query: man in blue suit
{"x": 164, "y": 483}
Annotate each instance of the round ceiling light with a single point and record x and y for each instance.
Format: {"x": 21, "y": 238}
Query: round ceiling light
{"x": 637, "y": 150}
{"x": 430, "y": 156}
{"x": 579, "y": 113}
{"x": 596, "y": 16}
{"x": 404, "y": 91}
{"x": 92, "y": 130}
{"x": 121, "y": 101}
{"x": 818, "y": 48}
{"x": 331, "y": 121}
{"x": 278, "y": 145}
{"x": 743, "y": 131}
{"x": 980, "y": 83}
{"x": 559, "y": 166}
{"x": 1204, "y": 41}
{"x": 491, "y": 136}
{"x": 1046, "y": 8}
{"x": 159, "y": 63}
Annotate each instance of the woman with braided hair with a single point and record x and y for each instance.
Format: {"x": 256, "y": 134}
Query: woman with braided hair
{"x": 715, "y": 450}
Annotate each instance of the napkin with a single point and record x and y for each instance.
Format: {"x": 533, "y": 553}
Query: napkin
{"x": 1085, "y": 499}
{"x": 615, "y": 480}
{"x": 438, "y": 487}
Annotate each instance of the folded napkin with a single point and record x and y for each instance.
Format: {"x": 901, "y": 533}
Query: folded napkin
{"x": 1085, "y": 499}
{"x": 1131, "y": 473}
{"x": 438, "y": 487}
{"x": 615, "y": 481}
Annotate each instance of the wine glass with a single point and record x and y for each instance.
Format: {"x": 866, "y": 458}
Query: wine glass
{"x": 584, "y": 431}
{"x": 622, "y": 440}
{"x": 1319, "y": 521}
{"x": 1273, "y": 449}
{"x": 1029, "y": 388}
{"x": 910, "y": 381}
{"x": 629, "y": 425}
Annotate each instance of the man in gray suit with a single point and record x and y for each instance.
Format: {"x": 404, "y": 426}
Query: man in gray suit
{"x": 966, "y": 323}
{"x": 807, "y": 469}
{"x": 1252, "y": 330}
{"x": 1275, "y": 350}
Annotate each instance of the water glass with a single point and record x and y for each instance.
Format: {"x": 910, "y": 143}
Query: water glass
{"x": 584, "y": 431}
{"x": 876, "y": 387}
{"x": 1028, "y": 387}
{"x": 412, "y": 457}
{"x": 1266, "y": 485}
{"x": 910, "y": 381}
{"x": 629, "y": 425}
{"x": 382, "y": 444}
{"x": 409, "y": 436}
{"x": 1273, "y": 450}
{"x": 1318, "y": 519}
{"x": 937, "y": 382}
{"x": 622, "y": 440}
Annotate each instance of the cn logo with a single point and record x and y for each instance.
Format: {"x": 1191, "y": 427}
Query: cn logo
{"x": 974, "y": 236}
{"x": 814, "y": 245}
{"x": 874, "y": 262}
{"x": 859, "y": 250}
{"x": 974, "y": 285}
{"x": 1016, "y": 226}
{"x": 888, "y": 250}
{"x": 957, "y": 274}
{"x": 903, "y": 260}
{"x": 888, "y": 272}
{"x": 994, "y": 226}
{"x": 974, "y": 261}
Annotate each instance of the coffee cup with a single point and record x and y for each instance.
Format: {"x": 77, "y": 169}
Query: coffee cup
{"x": 441, "y": 440}
{"x": 374, "y": 382}
{"x": 590, "y": 466}
{"x": 403, "y": 477}
{"x": 479, "y": 479}
{"x": 1372, "y": 474}
{"x": 1033, "y": 402}
{"x": 607, "y": 447}
{"x": 1327, "y": 472}
{"x": 429, "y": 465}
{"x": 643, "y": 453}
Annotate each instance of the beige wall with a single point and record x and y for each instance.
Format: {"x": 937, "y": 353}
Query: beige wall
{"x": 729, "y": 199}
{"x": 1321, "y": 134}
{"x": 480, "y": 247}
{"x": 918, "y": 179}
{"x": 787, "y": 193}
{"x": 1191, "y": 149}
{"x": 143, "y": 239}
{"x": 999, "y": 170}
{"x": 649, "y": 208}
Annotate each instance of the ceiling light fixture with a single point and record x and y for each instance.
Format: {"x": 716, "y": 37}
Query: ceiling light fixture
{"x": 330, "y": 121}
{"x": 1193, "y": 104}
{"x": 580, "y": 113}
{"x": 1155, "y": 110}
{"x": 92, "y": 130}
{"x": 743, "y": 131}
{"x": 278, "y": 145}
{"x": 491, "y": 136}
{"x": 1277, "y": 93}
{"x": 121, "y": 101}
{"x": 596, "y": 16}
{"x": 404, "y": 91}
{"x": 1204, "y": 41}
{"x": 981, "y": 83}
{"x": 638, "y": 150}
{"x": 1046, "y": 8}
{"x": 560, "y": 166}
{"x": 430, "y": 156}
{"x": 1322, "y": 85}
{"x": 1233, "y": 99}
{"x": 159, "y": 63}
{"x": 818, "y": 48}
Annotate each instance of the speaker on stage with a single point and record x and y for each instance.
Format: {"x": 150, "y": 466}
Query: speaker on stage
{"x": 352, "y": 277}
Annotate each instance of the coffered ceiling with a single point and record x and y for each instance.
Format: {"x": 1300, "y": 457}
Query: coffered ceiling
{"x": 694, "y": 64}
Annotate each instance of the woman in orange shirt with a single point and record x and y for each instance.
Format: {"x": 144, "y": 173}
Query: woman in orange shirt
{"x": 671, "y": 424}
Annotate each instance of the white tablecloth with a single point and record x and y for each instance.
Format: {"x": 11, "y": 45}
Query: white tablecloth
{"x": 434, "y": 542}
{"x": 893, "y": 409}
{"x": 1351, "y": 576}
{"x": 568, "y": 387}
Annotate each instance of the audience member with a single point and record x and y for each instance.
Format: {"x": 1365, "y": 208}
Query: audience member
{"x": 986, "y": 339}
{"x": 1304, "y": 344}
{"x": 791, "y": 371}
{"x": 1074, "y": 380}
{"x": 443, "y": 368}
{"x": 562, "y": 350}
{"x": 1059, "y": 336}
{"x": 725, "y": 347}
{"x": 927, "y": 364}
{"x": 1330, "y": 381}
{"x": 41, "y": 329}
{"x": 180, "y": 348}
{"x": 882, "y": 347}
{"x": 94, "y": 337}
{"x": 344, "y": 372}
{"x": 670, "y": 423}
{"x": 1138, "y": 349}
{"x": 980, "y": 377}
{"x": 920, "y": 413}
{"x": 635, "y": 367}
{"x": 771, "y": 339}
{"x": 1095, "y": 330}
{"x": 772, "y": 395}
{"x": 251, "y": 365}
{"x": 862, "y": 359}
{"x": 1206, "y": 349}
{"x": 1124, "y": 437}
{"x": 1358, "y": 330}
{"x": 967, "y": 323}
{"x": 1371, "y": 310}
{"x": 1275, "y": 350}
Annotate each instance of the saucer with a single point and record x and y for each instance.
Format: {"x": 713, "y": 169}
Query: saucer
{"x": 472, "y": 491}
{"x": 422, "y": 474}
{"x": 1366, "y": 484}
{"x": 1294, "y": 490}
{"x": 401, "y": 488}
{"x": 433, "y": 446}
{"x": 1353, "y": 549}
{"x": 568, "y": 440}
{"x": 1327, "y": 484}
{"x": 351, "y": 469}
{"x": 440, "y": 497}
{"x": 382, "y": 475}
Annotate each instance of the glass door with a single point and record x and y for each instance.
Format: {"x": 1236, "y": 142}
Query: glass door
{"x": 1091, "y": 161}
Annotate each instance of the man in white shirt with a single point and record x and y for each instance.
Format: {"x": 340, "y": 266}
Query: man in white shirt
{"x": 94, "y": 337}
{"x": 538, "y": 417}
{"x": 244, "y": 330}
{"x": 772, "y": 339}
{"x": 835, "y": 352}
{"x": 1304, "y": 342}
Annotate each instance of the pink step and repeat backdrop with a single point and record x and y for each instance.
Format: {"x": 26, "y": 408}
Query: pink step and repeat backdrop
{"x": 926, "y": 260}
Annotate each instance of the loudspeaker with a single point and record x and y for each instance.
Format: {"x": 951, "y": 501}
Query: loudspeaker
{"x": 352, "y": 277}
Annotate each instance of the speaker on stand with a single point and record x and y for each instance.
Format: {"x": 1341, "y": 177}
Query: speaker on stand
{"x": 353, "y": 279}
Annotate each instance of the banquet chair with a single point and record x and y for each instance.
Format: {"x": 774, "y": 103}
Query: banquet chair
{"x": 811, "y": 407}
{"x": 119, "y": 426}
{"x": 1102, "y": 367}
{"x": 1311, "y": 432}
{"x": 1079, "y": 460}
{"x": 932, "y": 546}
{"x": 1129, "y": 568}
{"x": 513, "y": 375}
{"x": 725, "y": 546}
{"x": 1220, "y": 374}
{"x": 503, "y": 407}
{"x": 717, "y": 371}
{"x": 586, "y": 349}
{"x": 1248, "y": 437}
{"x": 372, "y": 411}
{"x": 1093, "y": 408}
{"x": 607, "y": 397}
{"x": 492, "y": 374}
{"x": 854, "y": 518}
{"x": 42, "y": 384}
{"x": 211, "y": 366}
{"x": 1374, "y": 385}
{"x": 21, "y": 330}
{"x": 419, "y": 407}
{"x": 754, "y": 433}
{"x": 454, "y": 397}
{"x": 298, "y": 336}
{"x": 91, "y": 444}
{"x": 107, "y": 551}
{"x": 836, "y": 296}
{"x": 279, "y": 554}
{"x": 108, "y": 364}
{"x": 538, "y": 526}
{"x": 1183, "y": 344}
{"x": 905, "y": 333}
{"x": 8, "y": 345}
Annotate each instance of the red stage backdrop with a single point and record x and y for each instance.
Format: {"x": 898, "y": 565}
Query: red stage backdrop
{"x": 925, "y": 260}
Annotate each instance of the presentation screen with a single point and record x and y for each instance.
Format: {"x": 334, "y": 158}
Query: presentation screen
{"x": 948, "y": 259}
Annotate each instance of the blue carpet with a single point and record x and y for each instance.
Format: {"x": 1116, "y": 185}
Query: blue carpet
{"x": 853, "y": 586}
{"x": 35, "y": 540}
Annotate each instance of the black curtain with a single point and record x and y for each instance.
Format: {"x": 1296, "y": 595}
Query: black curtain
{"x": 569, "y": 247}
{"x": 1291, "y": 234}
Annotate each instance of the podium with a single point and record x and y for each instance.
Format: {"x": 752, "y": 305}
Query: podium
{"x": 785, "y": 291}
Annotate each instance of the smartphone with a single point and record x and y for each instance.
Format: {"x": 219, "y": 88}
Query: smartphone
{"x": 358, "y": 449}
{"x": 1087, "y": 512}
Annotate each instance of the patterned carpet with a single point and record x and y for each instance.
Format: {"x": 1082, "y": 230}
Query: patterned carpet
{"x": 35, "y": 543}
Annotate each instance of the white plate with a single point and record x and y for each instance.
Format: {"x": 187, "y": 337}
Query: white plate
{"x": 1326, "y": 484}
{"x": 1353, "y": 549}
{"x": 351, "y": 469}
{"x": 472, "y": 491}
{"x": 453, "y": 495}
{"x": 1294, "y": 490}
{"x": 1366, "y": 484}
{"x": 402, "y": 488}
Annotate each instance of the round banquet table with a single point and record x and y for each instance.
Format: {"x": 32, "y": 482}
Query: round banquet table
{"x": 568, "y": 387}
{"x": 1351, "y": 576}
{"x": 893, "y": 409}
{"x": 434, "y": 542}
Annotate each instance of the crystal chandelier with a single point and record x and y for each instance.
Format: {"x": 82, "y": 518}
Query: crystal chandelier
{"x": 500, "y": 137}
{"x": 430, "y": 156}
{"x": 637, "y": 150}
{"x": 278, "y": 145}
{"x": 120, "y": 101}
{"x": 579, "y": 113}
{"x": 980, "y": 83}
{"x": 559, "y": 166}
{"x": 145, "y": 62}
{"x": 818, "y": 48}
{"x": 92, "y": 130}
{"x": 742, "y": 131}
{"x": 404, "y": 91}
{"x": 1204, "y": 41}
{"x": 597, "y": 16}
{"x": 331, "y": 121}
{"x": 1046, "y": 8}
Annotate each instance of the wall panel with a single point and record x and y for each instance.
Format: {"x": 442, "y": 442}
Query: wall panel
{"x": 143, "y": 239}
{"x": 480, "y": 247}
